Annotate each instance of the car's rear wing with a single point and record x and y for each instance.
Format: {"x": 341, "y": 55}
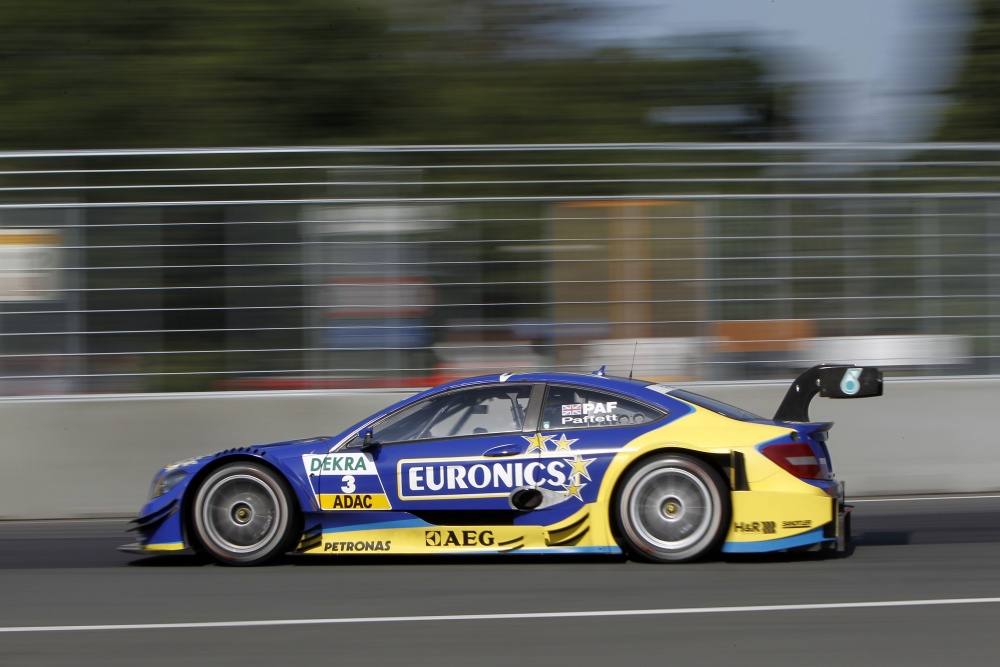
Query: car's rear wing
{"x": 831, "y": 381}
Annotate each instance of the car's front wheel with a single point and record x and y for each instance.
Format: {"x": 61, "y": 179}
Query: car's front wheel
{"x": 242, "y": 514}
{"x": 672, "y": 508}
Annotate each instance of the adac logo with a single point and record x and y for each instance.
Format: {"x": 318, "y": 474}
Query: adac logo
{"x": 459, "y": 538}
{"x": 351, "y": 501}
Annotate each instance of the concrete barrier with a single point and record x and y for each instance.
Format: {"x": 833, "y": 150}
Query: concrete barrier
{"x": 922, "y": 436}
{"x": 89, "y": 457}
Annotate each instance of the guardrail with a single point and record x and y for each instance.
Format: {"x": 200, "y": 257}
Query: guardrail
{"x": 141, "y": 271}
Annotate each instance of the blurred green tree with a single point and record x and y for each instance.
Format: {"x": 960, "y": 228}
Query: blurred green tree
{"x": 116, "y": 73}
{"x": 84, "y": 73}
{"x": 974, "y": 114}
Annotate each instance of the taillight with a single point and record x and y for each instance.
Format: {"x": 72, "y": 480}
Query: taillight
{"x": 797, "y": 458}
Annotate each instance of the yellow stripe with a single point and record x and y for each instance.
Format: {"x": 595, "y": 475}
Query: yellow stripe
{"x": 167, "y": 546}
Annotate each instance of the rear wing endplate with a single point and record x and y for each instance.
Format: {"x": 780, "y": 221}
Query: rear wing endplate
{"x": 831, "y": 381}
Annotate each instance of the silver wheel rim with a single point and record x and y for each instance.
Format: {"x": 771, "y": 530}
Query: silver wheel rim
{"x": 240, "y": 513}
{"x": 671, "y": 509}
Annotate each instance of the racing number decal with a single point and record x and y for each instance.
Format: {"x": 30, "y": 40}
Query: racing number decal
{"x": 347, "y": 481}
{"x": 349, "y": 486}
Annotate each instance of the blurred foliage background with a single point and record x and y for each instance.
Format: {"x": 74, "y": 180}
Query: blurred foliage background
{"x": 975, "y": 94}
{"x": 119, "y": 73}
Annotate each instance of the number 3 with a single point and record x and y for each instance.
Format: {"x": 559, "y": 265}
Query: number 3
{"x": 348, "y": 486}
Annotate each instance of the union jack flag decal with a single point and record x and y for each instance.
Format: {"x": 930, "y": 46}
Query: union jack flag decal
{"x": 575, "y": 409}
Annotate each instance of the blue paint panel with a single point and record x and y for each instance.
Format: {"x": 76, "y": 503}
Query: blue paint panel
{"x": 361, "y": 483}
{"x": 169, "y": 531}
{"x": 567, "y": 550}
{"x": 805, "y": 539}
{"x": 427, "y": 479}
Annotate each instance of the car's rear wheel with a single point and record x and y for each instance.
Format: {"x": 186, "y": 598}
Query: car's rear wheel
{"x": 672, "y": 508}
{"x": 242, "y": 514}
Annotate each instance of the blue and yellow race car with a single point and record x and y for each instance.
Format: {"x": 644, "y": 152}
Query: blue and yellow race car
{"x": 527, "y": 463}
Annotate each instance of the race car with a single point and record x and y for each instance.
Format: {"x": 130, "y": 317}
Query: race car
{"x": 528, "y": 463}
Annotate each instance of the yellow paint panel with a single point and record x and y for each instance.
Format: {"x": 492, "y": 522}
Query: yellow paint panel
{"x": 705, "y": 430}
{"x": 711, "y": 433}
{"x": 586, "y": 528}
{"x": 767, "y": 515}
{"x": 702, "y": 431}
{"x": 433, "y": 539}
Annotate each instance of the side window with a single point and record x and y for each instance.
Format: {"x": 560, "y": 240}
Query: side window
{"x": 475, "y": 411}
{"x": 578, "y": 407}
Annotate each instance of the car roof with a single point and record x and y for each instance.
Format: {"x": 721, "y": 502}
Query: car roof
{"x": 581, "y": 379}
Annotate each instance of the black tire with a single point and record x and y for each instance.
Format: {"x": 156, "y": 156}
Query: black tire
{"x": 672, "y": 508}
{"x": 242, "y": 514}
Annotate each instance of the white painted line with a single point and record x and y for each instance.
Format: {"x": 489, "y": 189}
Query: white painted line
{"x": 851, "y": 501}
{"x": 502, "y": 617}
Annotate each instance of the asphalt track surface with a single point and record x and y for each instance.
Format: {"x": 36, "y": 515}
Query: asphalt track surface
{"x": 921, "y": 588}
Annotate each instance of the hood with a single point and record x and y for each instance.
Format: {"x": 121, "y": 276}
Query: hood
{"x": 274, "y": 445}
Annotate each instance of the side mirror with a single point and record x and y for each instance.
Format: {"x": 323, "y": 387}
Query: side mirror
{"x": 368, "y": 444}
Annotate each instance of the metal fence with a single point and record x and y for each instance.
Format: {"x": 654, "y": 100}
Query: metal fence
{"x": 348, "y": 267}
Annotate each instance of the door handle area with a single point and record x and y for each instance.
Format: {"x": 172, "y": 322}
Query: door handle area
{"x": 503, "y": 450}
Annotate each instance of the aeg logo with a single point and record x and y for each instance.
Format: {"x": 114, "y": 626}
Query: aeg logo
{"x": 459, "y": 538}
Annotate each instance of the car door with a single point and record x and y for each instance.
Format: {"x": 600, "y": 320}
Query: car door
{"x": 456, "y": 457}
{"x": 581, "y": 429}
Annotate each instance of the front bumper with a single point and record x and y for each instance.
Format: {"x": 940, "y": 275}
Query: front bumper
{"x": 158, "y": 529}
{"x": 152, "y": 549}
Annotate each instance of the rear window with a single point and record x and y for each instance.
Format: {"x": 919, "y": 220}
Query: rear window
{"x": 581, "y": 407}
{"x": 724, "y": 409}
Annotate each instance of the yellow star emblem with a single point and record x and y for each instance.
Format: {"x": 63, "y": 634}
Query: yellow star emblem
{"x": 573, "y": 489}
{"x": 580, "y": 467}
{"x": 537, "y": 442}
{"x": 563, "y": 443}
